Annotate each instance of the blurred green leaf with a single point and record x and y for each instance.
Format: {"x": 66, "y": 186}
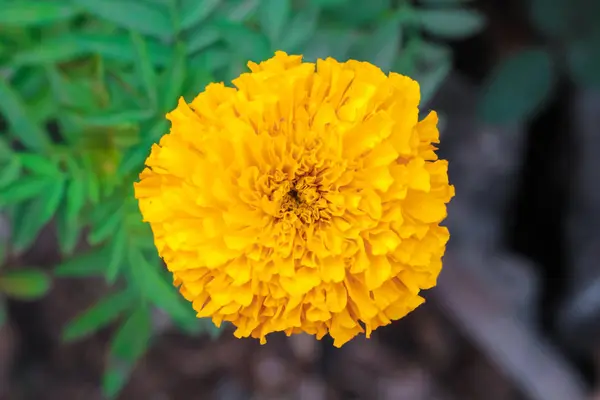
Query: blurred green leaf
{"x": 120, "y": 48}
{"x": 241, "y": 10}
{"x": 14, "y": 110}
{"x": 51, "y": 200}
{"x": 10, "y": 172}
{"x": 300, "y": 29}
{"x": 155, "y": 287}
{"x": 92, "y": 187}
{"x": 434, "y": 64}
{"x": 334, "y": 43}
{"x": 24, "y": 284}
{"x": 201, "y": 38}
{"x": 50, "y": 51}
{"x": 68, "y": 231}
{"x": 445, "y": 2}
{"x": 35, "y": 13}
{"x": 35, "y": 214}
{"x": 382, "y": 46}
{"x": 3, "y": 315}
{"x": 134, "y": 158}
{"x": 77, "y": 95}
{"x": 98, "y": 316}
{"x": 129, "y": 344}
{"x": 518, "y": 87}
{"x": 431, "y": 81}
{"x": 209, "y": 61}
{"x": 6, "y": 152}
{"x": 132, "y": 15}
{"x": 357, "y": 13}
{"x": 247, "y": 44}
{"x": 583, "y": 61}
{"x": 552, "y": 17}
{"x": 274, "y": 16}
{"x": 24, "y": 189}
{"x": 193, "y": 12}
{"x": 75, "y": 198}
{"x": 118, "y": 247}
{"x": 173, "y": 79}
{"x": 76, "y": 195}
{"x": 92, "y": 263}
{"x": 118, "y": 117}
{"x": 146, "y": 72}
{"x": 328, "y": 3}
{"x": 451, "y": 23}
{"x": 105, "y": 226}
{"x": 39, "y": 165}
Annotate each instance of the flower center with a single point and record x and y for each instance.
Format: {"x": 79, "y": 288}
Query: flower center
{"x": 302, "y": 203}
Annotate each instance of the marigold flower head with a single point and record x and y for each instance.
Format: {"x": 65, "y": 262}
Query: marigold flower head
{"x": 306, "y": 199}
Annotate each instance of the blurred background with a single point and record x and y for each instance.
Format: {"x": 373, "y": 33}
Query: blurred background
{"x": 87, "y": 310}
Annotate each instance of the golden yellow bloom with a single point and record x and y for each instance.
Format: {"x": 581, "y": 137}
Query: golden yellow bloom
{"x": 308, "y": 198}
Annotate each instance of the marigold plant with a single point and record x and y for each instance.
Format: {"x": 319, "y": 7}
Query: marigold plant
{"x": 306, "y": 199}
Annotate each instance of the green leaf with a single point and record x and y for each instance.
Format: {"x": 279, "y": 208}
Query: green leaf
{"x": 24, "y": 189}
{"x": 248, "y": 44}
{"x": 6, "y": 152}
{"x": 153, "y": 285}
{"x": 129, "y": 344}
{"x": 552, "y": 17}
{"x": 50, "y": 51}
{"x": 145, "y": 69}
{"x": 75, "y": 198}
{"x": 10, "y": 172}
{"x": 76, "y": 194}
{"x": 132, "y": 15}
{"x": 240, "y": 11}
{"x": 431, "y": 81}
{"x": 357, "y": 13}
{"x": 444, "y": 2}
{"x": 118, "y": 247}
{"x": 36, "y": 214}
{"x": 35, "y": 13}
{"x": 118, "y": 117}
{"x": 382, "y": 46}
{"x": 92, "y": 182}
{"x": 434, "y": 64}
{"x": 328, "y": 3}
{"x": 334, "y": 43}
{"x": 68, "y": 231}
{"x": 69, "y": 47}
{"x": 451, "y": 23}
{"x": 173, "y": 79}
{"x": 518, "y": 87}
{"x": 300, "y": 29}
{"x": 51, "y": 200}
{"x": 3, "y": 314}
{"x": 24, "y": 284}
{"x": 22, "y": 126}
{"x": 201, "y": 38}
{"x": 134, "y": 158}
{"x": 583, "y": 61}
{"x": 105, "y": 223}
{"x": 98, "y": 316}
{"x": 193, "y": 12}
{"x": 273, "y": 17}
{"x": 92, "y": 263}
{"x": 39, "y": 165}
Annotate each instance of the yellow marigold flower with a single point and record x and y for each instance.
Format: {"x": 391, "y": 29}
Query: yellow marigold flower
{"x": 306, "y": 199}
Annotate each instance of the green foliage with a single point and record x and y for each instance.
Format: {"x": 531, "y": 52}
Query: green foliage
{"x": 524, "y": 82}
{"x": 84, "y": 87}
{"x": 518, "y": 87}
{"x": 24, "y": 284}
